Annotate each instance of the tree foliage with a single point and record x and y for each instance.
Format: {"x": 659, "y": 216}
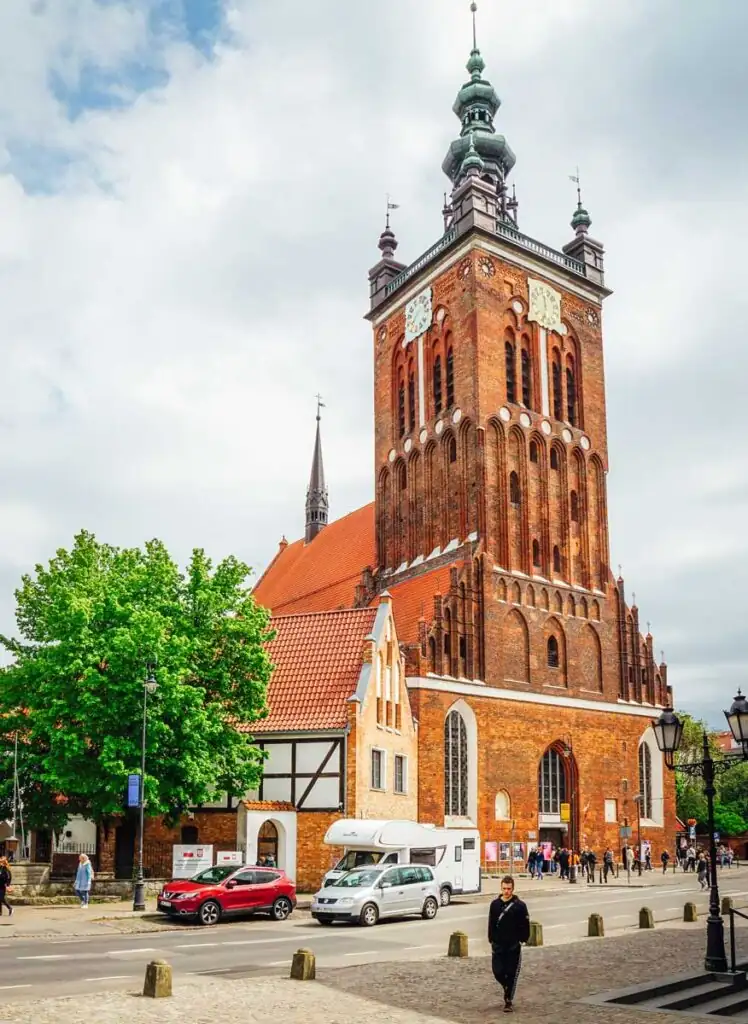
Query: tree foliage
{"x": 731, "y": 801}
{"x": 89, "y": 624}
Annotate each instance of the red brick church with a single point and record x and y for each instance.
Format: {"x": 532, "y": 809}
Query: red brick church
{"x": 530, "y": 682}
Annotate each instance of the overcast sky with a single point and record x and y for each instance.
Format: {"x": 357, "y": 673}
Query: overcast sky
{"x": 191, "y": 193}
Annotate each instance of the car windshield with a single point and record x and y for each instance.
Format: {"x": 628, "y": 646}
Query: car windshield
{"x": 213, "y": 876}
{"x": 356, "y": 879}
{"x": 358, "y": 858}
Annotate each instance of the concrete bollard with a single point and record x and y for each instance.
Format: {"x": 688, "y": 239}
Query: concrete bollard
{"x": 595, "y": 927}
{"x": 646, "y": 918}
{"x": 690, "y": 912}
{"x": 536, "y": 934}
{"x": 458, "y": 944}
{"x": 727, "y": 904}
{"x": 157, "y": 983}
{"x": 303, "y": 965}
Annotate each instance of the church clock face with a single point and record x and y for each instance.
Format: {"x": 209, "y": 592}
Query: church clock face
{"x": 418, "y": 315}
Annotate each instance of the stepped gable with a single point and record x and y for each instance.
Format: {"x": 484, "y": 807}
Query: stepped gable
{"x": 413, "y": 599}
{"x": 317, "y": 662}
{"x": 323, "y": 574}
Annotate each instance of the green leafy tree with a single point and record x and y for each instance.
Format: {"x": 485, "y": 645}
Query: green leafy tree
{"x": 727, "y": 821}
{"x": 89, "y": 624}
{"x": 732, "y": 788}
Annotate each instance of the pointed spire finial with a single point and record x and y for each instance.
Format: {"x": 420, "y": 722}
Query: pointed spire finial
{"x": 316, "y": 495}
{"x": 320, "y": 405}
{"x": 581, "y": 220}
{"x": 474, "y": 9}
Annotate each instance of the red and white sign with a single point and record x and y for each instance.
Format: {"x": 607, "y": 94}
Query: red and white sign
{"x": 189, "y": 861}
{"x": 230, "y": 857}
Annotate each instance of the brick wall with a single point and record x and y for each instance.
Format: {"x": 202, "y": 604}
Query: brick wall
{"x": 512, "y": 738}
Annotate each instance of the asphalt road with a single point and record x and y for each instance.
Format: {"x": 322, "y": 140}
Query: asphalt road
{"x": 37, "y": 968}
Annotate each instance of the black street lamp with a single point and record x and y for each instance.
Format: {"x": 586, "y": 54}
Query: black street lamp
{"x": 668, "y": 730}
{"x": 149, "y": 687}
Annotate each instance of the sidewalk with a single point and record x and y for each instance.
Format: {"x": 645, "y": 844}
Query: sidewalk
{"x": 463, "y": 991}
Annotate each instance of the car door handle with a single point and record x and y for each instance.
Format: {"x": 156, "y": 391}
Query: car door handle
{"x": 400, "y": 892}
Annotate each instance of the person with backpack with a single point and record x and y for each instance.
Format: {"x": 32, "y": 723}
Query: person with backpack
{"x": 591, "y": 865}
{"x": 608, "y": 864}
{"x": 508, "y": 928}
{"x": 5, "y": 882}
{"x": 664, "y": 857}
{"x": 83, "y": 880}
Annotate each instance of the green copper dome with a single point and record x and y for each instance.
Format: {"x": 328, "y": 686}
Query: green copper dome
{"x": 476, "y": 106}
{"x": 581, "y": 220}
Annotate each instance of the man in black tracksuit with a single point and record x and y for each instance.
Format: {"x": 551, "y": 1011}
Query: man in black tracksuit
{"x": 508, "y": 928}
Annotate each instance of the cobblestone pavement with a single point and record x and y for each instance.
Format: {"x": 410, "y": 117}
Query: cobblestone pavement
{"x": 458, "y": 991}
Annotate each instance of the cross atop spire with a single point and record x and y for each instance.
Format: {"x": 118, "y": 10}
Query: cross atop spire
{"x": 317, "y": 505}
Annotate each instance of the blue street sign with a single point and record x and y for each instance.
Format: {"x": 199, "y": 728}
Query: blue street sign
{"x": 716, "y": 837}
{"x": 133, "y": 790}
{"x": 692, "y": 832}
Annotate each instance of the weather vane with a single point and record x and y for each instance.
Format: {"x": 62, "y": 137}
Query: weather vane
{"x": 320, "y": 405}
{"x": 391, "y": 206}
{"x": 578, "y": 182}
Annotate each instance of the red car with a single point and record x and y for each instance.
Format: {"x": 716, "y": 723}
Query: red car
{"x": 229, "y": 891}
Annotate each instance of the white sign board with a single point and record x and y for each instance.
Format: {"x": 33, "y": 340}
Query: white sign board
{"x": 188, "y": 861}
{"x": 229, "y": 857}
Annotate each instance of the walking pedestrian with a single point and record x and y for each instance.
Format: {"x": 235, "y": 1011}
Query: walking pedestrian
{"x": 591, "y": 865}
{"x": 690, "y": 859}
{"x": 702, "y": 868}
{"x": 664, "y": 857}
{"x": 508, "y": 928}
{"x": 607, "y": 864}
{"x": 5, "y": 882}
{"x": 83, "y": 880}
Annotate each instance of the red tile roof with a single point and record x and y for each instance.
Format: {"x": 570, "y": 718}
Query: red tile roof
{"x": 324, "y": 574}
{"x": 415, "y": 598}
{"x": 318, "y": 659}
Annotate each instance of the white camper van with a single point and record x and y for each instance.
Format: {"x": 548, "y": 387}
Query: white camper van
{"x": 452, "y": 853}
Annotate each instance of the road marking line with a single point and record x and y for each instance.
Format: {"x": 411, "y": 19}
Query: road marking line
{"x": 365, "y": 952}
{"x": 111, "y": 977}
{"x": 197, "y": 945}
{"x": 407, "y": 949}
{"x": 48, "y": 956}
{"x": 279, "y": 963}
{"x": 121, "y": 952}
{"x": 4, "y": 988}
{"x": 257, "y": 942}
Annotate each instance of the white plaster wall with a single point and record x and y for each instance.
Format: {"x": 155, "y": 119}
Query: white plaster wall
{"x": 285, "y": 822}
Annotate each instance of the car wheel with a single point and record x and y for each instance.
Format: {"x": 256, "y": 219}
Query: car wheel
{"x": 445, "y": 896}
{"x": 430, "y": 909}
{"x": 209, "y": 913}
{"x": 369, "y": 915}
{"x": 281, "y": 909}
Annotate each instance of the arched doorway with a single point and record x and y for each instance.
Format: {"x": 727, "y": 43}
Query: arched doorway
{"x": 558, "y": 797}
{"x": 267, "y": 844}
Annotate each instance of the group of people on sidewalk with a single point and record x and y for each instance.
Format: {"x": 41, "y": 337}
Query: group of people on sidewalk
{"x": 551, "y": 860}
{"x": 82, "y": 886}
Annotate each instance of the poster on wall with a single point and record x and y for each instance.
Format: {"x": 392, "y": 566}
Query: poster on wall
{"x": 230, "y": 857}
{"x": 492, "y": 853}
{"x": 188, "y": 861}
{"x": 519, "y": 851}
{"x": 503, "y": 851}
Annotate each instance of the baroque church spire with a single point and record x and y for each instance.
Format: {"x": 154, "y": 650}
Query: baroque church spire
{"x": 317, "y": 505}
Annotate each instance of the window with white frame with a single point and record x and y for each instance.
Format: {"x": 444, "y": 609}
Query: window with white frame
{"x": 377, "y": 768}
{"x": 611, "y": 811}
{"x": 455, "y": 765}
{"x": 645, "y": 781}
{"x": 401, "y": 774}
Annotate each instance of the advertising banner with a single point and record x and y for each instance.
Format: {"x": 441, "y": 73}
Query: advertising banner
{"x": 188, "y": 861}
{"x": 492, "y": 853}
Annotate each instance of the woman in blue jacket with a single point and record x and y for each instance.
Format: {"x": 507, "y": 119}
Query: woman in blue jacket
{"x": 83, "y": 880}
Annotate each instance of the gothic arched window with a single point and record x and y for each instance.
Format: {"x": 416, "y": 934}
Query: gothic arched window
{"x": 455, "y": 766}
{"x": 411, "y": 402}
{"x": 645, "y": 781}
{"x": 551, "y": 782}
{"x": 452, "y": 449}
{"x": 558, "y": 402}
{"x": 511, "y": 373}
{"x": 571, "y": 395}
{"x": 401, "y": 407}
{"x": 432, "y": 654}
{"x": 437, "y": 385}
{"x": 526, "y": 378}
{"x": 553, "y": 657}
{"x": 533, "y": 451}
{"x": 450, "y": 378}
{"x": 515, "y": 492}
{"x": 554, "y": 458}
{"x": 403, "y": 477}
{"x": 556, "y": 559}
{"x": 536, "y": 554}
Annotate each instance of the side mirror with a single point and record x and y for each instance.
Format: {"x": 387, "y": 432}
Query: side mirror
{"x": 232, "y": 884}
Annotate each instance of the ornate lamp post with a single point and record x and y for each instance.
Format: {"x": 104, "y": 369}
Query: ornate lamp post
{"x": 149, "y": 688}
{"x": 668, "y": 730}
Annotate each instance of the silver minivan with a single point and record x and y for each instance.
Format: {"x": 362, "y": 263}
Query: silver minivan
{"x": 368, "y": 893}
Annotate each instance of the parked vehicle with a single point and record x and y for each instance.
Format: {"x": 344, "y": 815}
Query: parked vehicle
{"x": 228, "y": 891}
{"x": 452, "y": 853}
{"x": 365, "y": 895}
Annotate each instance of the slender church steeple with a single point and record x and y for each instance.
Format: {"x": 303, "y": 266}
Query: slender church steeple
{"x": 317, "y": 506}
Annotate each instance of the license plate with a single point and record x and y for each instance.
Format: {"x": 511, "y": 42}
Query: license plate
{"x": 165, "y": 903}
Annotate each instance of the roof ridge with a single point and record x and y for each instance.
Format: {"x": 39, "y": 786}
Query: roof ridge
{"x": 331, "y": 611}
{"x": 272, "y": 562}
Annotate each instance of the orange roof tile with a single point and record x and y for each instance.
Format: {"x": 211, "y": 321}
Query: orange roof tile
{"x": 317, "y": 659}
{"x": 414, "y": 598}
{"x": 324, "y": 574}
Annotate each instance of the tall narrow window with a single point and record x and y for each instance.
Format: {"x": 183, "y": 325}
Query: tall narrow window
{"x": 526, "y": 378}
{"x": 455, "y": 766}
{"x": 452, "y": 449}
{"x": 411, "y": 402}
{"x": 645, "y": 781}
{"x": 556, "y": 559}
{"x": 574, "y": 507}
{"x": 551, "y": 783}
{"x": 533, "y": 451}
{"x": 571, "y": 396}
{"x": 536, "y": 554}
{"x": 554, "y": 458}
{"x": 450, "y": 379}
{"x": 553, "y": 658}
{"x": 448, "y": 641}
{"x": 558, "y": 404}
{"x": 401, "y": 407}
{"x": 515, "y": 492}
{"x": 403, "y": 477}
{"x": 437, "y": 385}
{"x": 511, "y": 372}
